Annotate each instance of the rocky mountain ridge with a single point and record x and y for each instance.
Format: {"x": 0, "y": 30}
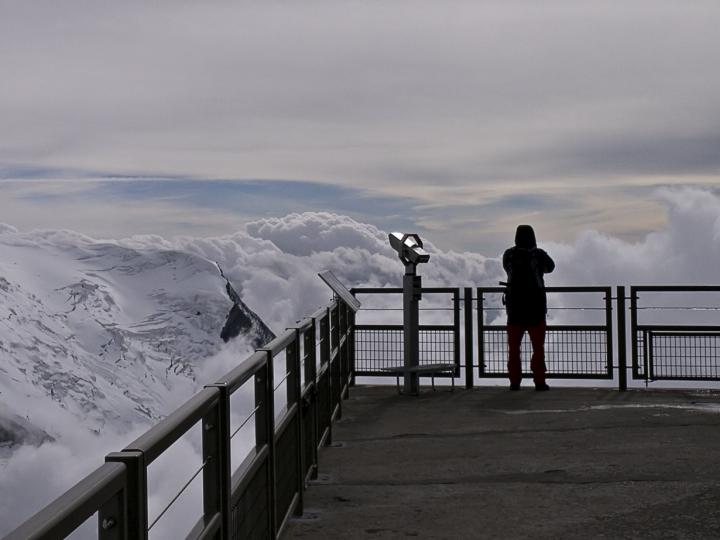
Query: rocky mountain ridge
{"x": 111, "y": 334}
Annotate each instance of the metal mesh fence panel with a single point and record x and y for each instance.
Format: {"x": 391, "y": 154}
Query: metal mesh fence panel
{"x": 679, "y": 355}
{"x": 675, "y": 333}
{"x": 570, "y": 352}
{"x": 378, "y": 347}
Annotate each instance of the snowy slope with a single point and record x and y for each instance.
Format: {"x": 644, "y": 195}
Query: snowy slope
{"x": 112, "y": 335}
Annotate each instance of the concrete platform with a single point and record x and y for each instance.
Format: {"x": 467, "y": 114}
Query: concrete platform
{"x": 490, "y": 463}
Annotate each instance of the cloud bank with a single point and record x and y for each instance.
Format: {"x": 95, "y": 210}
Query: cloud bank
{"x": 472, "y": 109}
{"x": 274, "y": 264}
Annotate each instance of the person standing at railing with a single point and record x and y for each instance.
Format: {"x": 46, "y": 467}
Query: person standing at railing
{"x": 526, "y": 304}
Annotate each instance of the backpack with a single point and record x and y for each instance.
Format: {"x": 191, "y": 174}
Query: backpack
{"x": 525, "y": 275}
{"x": 525, "y": 295}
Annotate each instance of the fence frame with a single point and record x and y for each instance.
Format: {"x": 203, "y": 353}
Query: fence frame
{"x": 320, "y": 366}
{"x": 607, "y": 328}
{"x": 455, "y": 327}
{"x": 117, "y": 490}
{"x": 651, "y": 330}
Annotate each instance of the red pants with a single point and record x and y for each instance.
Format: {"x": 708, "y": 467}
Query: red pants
{"x": 537, "y": 363}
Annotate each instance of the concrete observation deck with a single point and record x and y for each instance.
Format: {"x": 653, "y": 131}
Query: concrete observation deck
{"x": 490, "y": 463}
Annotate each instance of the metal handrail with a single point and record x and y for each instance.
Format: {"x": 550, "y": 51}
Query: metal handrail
{"x": 160, "y": 437}
{"x": 573, "y": 289}
{"x": 326, "y": 339}
{"x": 277, "y": 345}
{"x": 676, "y": 288}
{"x": 118, "y": 489}
{"x": 244, "y": 372}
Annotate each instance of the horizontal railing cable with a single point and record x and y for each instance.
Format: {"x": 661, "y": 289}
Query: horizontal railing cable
{"x": 112, "y": 496}
{"x": 502, "y": 308}
{"x": 285, "y": 378}
{"x": 682, "y": 308}
{"x": 401, "y": 309}
{"x": 179, "y": 493}
{"x": 249, "y": 417}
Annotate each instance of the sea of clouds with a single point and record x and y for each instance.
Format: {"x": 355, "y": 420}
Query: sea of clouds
{"x": 274, "y": 264}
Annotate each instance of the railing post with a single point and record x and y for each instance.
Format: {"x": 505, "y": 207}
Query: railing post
{"x": 136, "y": 501}
{"x": 265, "y": 432}
{"x": 346, "y": 349}
{"x": 336, "y": 384}
{"x": 481, "y": 331}
{"x": 335, "y": 325}
{"x": 468, "y": 337}
{"x": 309, "y": 348}
{"x": 326, "y": 358}
{"x": 633, "y": 332}
{"x": 112, "y": 517}
{"x": 609, "y": 331}
{"x": 351, "y": 349}
{"x": 621, "y": 339}
{"x": 216, "y": 452}
{"x": 310, "y": 366}
{"x": 294, "y": 393}
{"x": 342, "y": 348}
{"x": 649, "y": 357}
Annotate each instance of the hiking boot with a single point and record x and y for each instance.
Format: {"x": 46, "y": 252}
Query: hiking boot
{"x": 542, "y": 387}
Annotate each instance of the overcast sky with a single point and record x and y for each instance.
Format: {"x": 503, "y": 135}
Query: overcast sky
{"x": 456, "y": 119}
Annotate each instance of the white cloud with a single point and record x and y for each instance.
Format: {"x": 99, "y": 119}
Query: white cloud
{"x": 437, "y": 99}
{"x": 686, "y": 251}
{"x": 33, "y": 476}
{"x": 307, "y": 233}
{"x": 274, "y": 263}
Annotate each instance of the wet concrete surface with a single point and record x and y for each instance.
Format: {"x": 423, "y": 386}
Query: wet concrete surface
{"x": 490, "y": 463}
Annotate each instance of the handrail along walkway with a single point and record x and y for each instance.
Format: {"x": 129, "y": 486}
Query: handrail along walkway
{"x": 271, "y": 479}
{"x": 323, "y": 354}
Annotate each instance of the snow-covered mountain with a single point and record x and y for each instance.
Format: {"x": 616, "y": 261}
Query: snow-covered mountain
{"x": 114, "y": 335}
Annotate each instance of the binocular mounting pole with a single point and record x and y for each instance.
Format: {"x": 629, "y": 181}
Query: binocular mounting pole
{"x": 412, "y": 284}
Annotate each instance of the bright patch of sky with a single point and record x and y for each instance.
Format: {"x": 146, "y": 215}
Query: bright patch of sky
{"x": 456, "y": 119}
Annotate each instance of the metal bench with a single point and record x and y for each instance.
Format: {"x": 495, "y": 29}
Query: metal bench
{"x": 427, "y": 370}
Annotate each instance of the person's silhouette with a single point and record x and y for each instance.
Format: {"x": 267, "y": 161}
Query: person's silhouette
{"x": 526, "y": 304}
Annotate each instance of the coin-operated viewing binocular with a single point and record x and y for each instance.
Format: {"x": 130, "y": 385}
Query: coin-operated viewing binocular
{"x": 409, "y": 248}
{"x": 411, "y": 253}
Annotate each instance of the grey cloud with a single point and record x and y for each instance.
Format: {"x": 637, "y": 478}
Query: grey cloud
{"x": 643, "y": 155}
{"x": 323, "y": 89}
{"x": 285, "y": 285}
{"x": 455, "y": 103}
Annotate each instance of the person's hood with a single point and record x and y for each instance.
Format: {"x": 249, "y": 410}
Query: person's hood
{"x": 525, "y": 237}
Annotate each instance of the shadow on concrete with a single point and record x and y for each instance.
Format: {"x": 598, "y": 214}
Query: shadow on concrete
{"x": 489, "y": 463}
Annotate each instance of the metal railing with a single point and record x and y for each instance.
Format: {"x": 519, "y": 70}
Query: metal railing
{"x": 379, "y": 347}
{"x": 572, "y": 351}
{"x": 323, "y": 354}
{"x": 256, "y": 499}
{"x": 669, "y": 350}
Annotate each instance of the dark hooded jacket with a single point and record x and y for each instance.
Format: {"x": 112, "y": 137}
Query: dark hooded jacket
{"x": 525, "y": 264}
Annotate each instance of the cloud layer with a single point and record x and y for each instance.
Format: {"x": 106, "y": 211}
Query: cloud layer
{"x": 274, "y": 263}
{"x": 466, "y": 107}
